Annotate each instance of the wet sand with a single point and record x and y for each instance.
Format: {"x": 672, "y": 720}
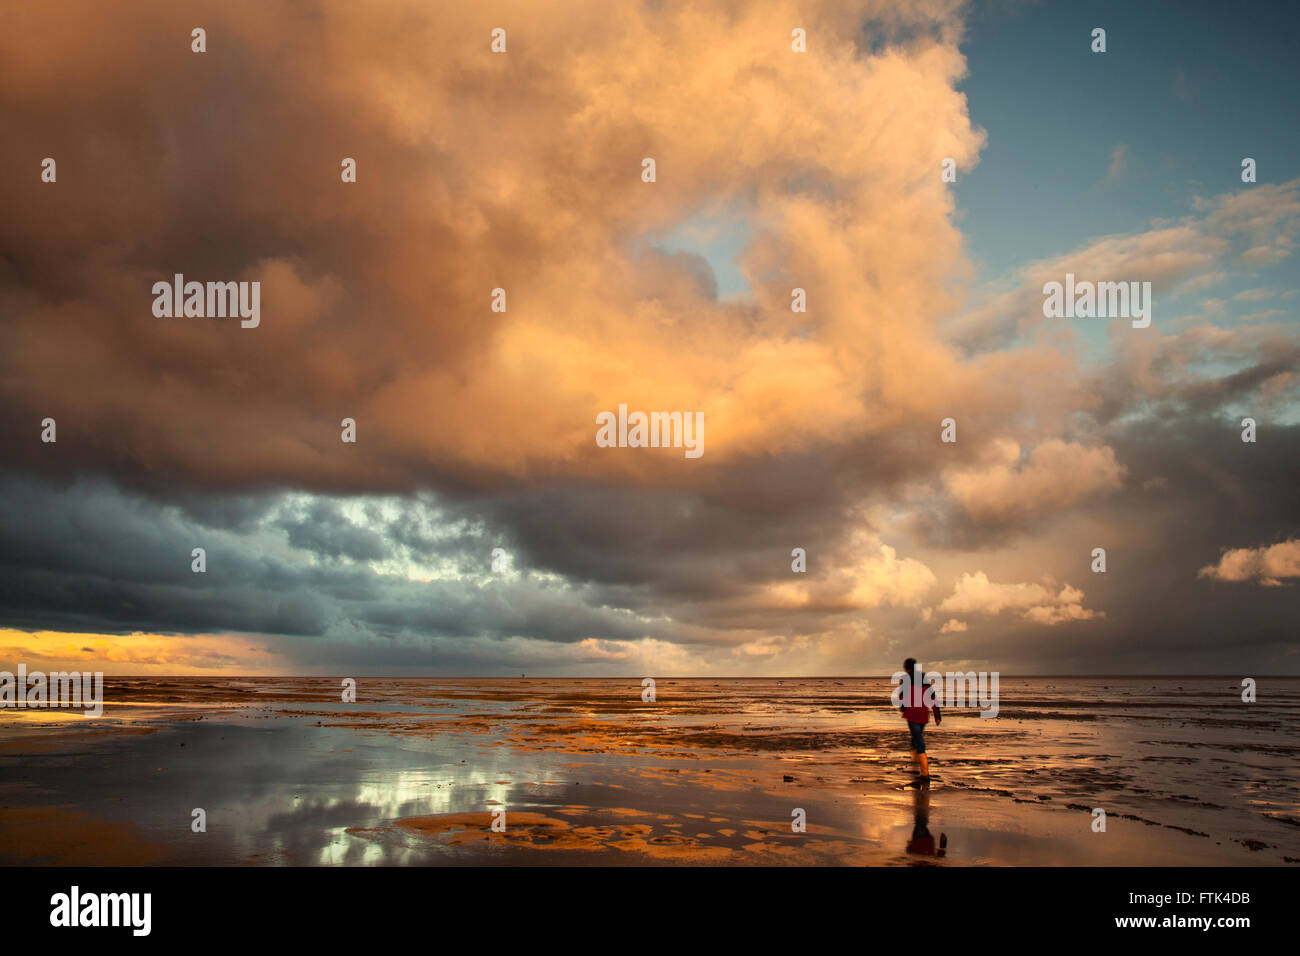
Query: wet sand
{"x": 712, "y": 772}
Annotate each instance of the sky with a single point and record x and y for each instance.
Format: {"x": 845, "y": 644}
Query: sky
{"x": 476, "y": 527}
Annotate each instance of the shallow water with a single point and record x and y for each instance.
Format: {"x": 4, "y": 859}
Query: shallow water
{"x": 587, "y": 772}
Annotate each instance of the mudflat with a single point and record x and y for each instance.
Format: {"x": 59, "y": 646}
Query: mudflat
{"x": 714, "y": 772}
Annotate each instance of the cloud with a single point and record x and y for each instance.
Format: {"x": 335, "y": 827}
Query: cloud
{"x": 1253, "y": 295}
{"x": 1203, "y": 369}
{"x": 1166, "y": 256}
{"x": 519, "y": 171}
{"x": 879, "y": 579}
{"x": 1053, "y": 476}
{"x": 1038, "y": 603}
{"x": 953, "y": 626}
{"x": 1262, "y": 316}
{"x": 476, "y": 429}
{"x": 1266, "y": 565}
{"x": 1257, "y": 225}
{"x": 1202, "y": 282}
{"x": 1257, "y": 257}
{"x": 1118, "y": 164}
{"x": 1263, "y": 212}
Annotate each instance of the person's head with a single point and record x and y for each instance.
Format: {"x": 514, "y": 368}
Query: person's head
{"x": 909, "y": 666}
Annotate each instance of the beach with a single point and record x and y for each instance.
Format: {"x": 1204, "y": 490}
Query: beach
{"x": 711, "y": 772}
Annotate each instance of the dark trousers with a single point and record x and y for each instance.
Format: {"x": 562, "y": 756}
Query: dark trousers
{"x": 918, "y": 736}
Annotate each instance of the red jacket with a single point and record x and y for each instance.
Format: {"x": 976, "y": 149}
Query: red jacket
{"x": 914, "y": 709}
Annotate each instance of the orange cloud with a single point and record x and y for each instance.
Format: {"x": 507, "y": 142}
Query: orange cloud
{"x": 1042, "y": 604}
{"x": 478, "y": 171}
{"x": 1266, "y": 565}
{"x": 1052, "y": 477}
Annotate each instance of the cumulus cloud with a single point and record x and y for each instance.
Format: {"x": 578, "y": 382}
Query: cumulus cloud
{"x": 1266, "y": 565}
{"x": 1053, "y": 476}
{"x": 519, "y": 171}
{"x": 1038, "y": 603}
{"x": 879, "y": 578}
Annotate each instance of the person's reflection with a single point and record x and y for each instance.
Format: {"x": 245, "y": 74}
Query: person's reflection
{"x": 922, "y": 842}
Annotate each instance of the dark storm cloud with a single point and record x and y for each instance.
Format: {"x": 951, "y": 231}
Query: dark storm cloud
{"x": 1194, "y": 490}
{"x": 87, "y": 558}
{"x": 122, "y": 564}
